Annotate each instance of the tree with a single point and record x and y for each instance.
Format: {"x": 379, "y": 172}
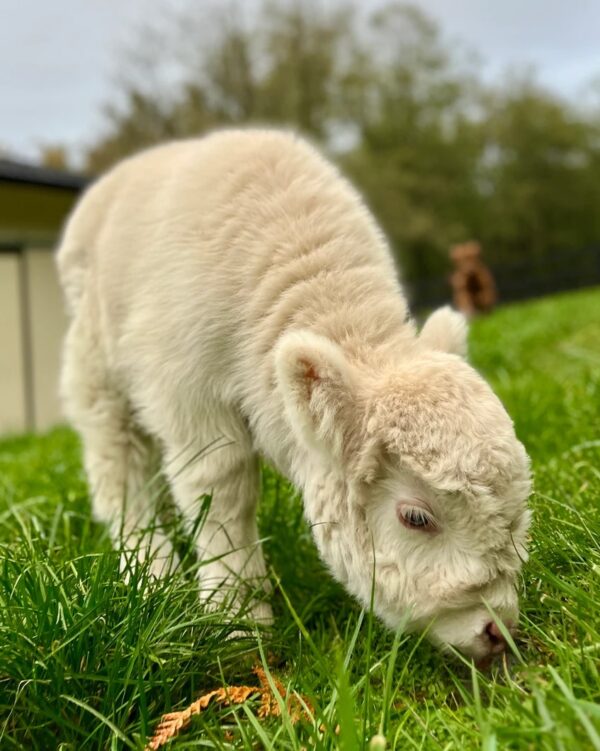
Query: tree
{"x": 440, "y": 158}
{"x": 541, "y": 174}
{"x": 284, "y": 66}
{"x": 419, "y": 139}
{"x": 54, "y": 156}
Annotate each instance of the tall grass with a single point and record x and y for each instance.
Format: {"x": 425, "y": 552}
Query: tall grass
{"x": 89, "y": 662}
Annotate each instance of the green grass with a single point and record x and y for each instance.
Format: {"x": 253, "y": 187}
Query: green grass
{"x": 89, "y": 662}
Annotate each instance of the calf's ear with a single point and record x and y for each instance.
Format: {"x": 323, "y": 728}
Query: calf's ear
{"x": 446, "y": 331}
{"x": 316, "y": 383}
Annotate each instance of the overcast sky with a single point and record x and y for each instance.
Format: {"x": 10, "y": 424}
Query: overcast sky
{"x": 59, "y": 57}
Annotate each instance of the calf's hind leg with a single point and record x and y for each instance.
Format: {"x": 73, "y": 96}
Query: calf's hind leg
{"x": 232, "y": 566}
{"x": 119, "y": 458}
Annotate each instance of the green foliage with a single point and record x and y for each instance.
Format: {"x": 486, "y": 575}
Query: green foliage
{"x": 440, "y": 157}
{"x": 286, "y": 65}
{"x": 418, "y": 149}
{"x": 541, "y": 173}
{"x": 89, "y": 662}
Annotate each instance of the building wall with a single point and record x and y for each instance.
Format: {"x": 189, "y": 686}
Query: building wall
{"x": 29, "y": 209}
{"x": 48, "y": 323}
{"x": 32, "y": 327}
{"x": 13, "y": 415}
{"x": 32, "y": 318}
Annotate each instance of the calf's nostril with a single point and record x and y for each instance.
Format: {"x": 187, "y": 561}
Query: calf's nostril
{"x": 495, "y": 636}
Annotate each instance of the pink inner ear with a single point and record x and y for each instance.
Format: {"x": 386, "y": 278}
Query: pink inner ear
{"x": 310, "y": 373}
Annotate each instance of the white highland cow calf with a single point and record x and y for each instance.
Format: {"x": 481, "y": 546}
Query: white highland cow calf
{"x": 236, "y": 286}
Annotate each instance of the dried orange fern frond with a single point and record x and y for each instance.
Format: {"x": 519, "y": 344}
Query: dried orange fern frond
{"x": 173, "y": 723}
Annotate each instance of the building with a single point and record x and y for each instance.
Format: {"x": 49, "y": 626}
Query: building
{"x": 34, "y": 203}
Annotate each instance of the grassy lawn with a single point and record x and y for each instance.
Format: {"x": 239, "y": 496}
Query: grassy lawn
{"x": 89, "y": 662}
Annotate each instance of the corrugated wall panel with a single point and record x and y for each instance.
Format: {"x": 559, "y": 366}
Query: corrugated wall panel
{"x": 13, "y": 413}
{"x": 48, "y": 324}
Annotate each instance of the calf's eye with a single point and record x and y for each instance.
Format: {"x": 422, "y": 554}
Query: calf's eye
{"x": 415, "y": 517}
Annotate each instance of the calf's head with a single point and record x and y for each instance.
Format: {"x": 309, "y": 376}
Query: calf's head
{"x": 414, "y": 481}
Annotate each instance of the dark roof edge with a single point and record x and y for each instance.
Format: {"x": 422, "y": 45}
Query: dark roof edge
{"x": 29, "y": 174}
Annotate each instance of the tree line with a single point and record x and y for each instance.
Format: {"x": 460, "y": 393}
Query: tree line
{"x": 441, "y": 156}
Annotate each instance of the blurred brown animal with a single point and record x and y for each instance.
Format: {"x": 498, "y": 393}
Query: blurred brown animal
{"x": 473, "y": 286}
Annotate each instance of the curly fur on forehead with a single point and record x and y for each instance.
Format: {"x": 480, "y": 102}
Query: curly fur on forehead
{"x": 445, "y": 423}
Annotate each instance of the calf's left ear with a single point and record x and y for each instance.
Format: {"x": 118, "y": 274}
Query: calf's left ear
{"x": 446, "y": 331}
{"x": 317, "y": 385}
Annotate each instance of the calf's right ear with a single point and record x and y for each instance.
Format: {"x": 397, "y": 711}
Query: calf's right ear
{"x": 446, "y": 331}
{"x": 316, "y": 384}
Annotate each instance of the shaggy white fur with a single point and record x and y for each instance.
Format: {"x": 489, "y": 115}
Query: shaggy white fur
{"x": 235, "y": 287}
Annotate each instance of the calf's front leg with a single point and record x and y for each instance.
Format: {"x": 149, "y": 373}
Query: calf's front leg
{"x": 232, "y": 573}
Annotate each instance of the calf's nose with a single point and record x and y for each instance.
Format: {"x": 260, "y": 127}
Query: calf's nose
{"x": 495, "y": 637}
